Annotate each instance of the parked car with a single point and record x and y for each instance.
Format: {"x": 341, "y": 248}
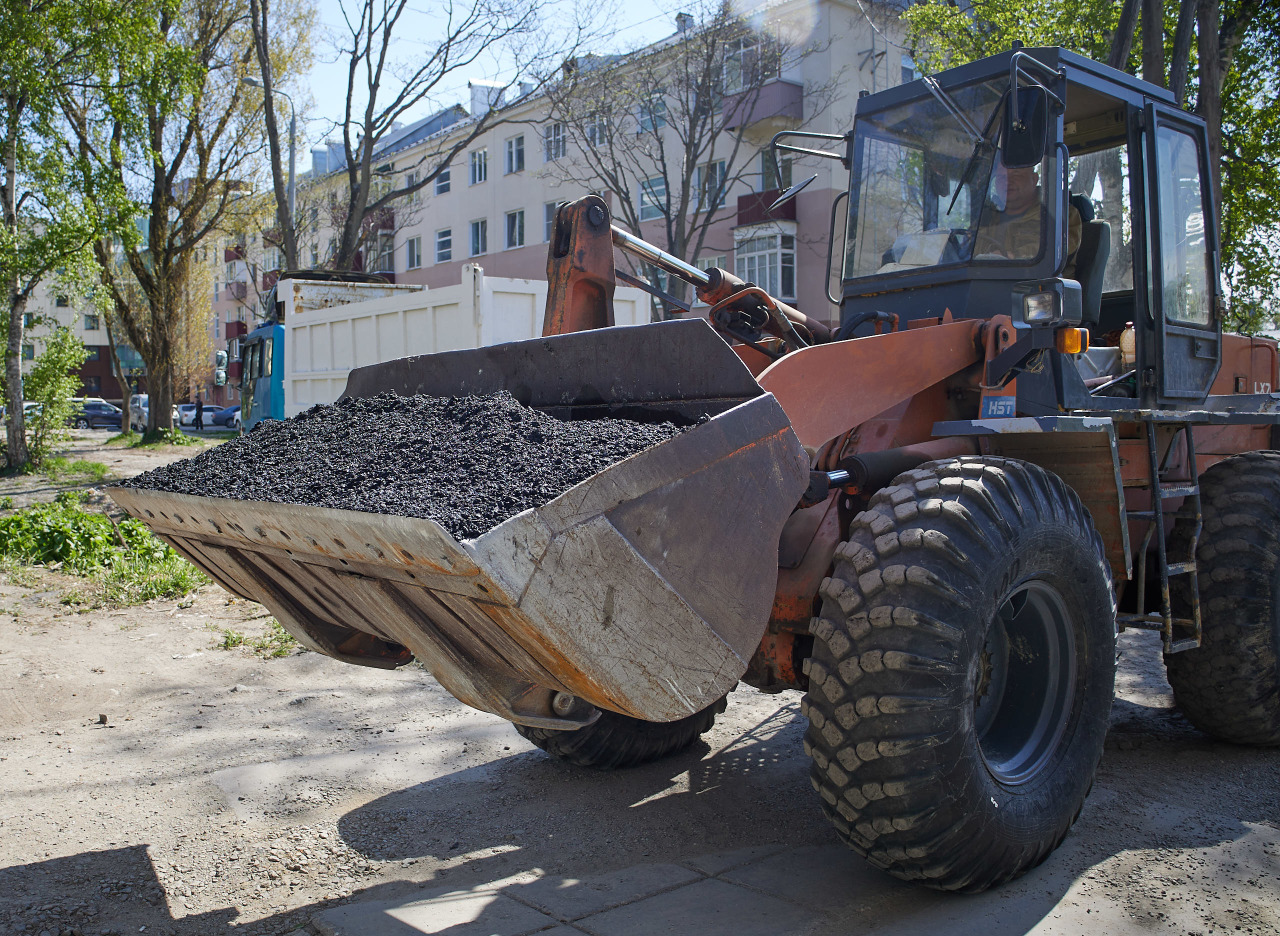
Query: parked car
{"x": 187, "y": 414}
{"x": 97, "y": 414}
{"x": 228, "y": 416}
{"x": 141, "y": 407}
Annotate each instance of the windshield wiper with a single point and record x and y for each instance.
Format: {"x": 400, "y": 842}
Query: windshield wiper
{"x": 982, "y": 143}
{"x": 953, "y": 109}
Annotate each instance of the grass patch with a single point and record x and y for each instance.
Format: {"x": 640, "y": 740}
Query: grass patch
{"x": 123, "y": 562}
{"x": 161, "y": 438}
{"x": 276, "y": 642}
{"x": 62, "y": 468}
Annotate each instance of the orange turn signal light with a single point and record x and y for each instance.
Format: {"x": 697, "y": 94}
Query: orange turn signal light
{"x": 1071, "y": 340}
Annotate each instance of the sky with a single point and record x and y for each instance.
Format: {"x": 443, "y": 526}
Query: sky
{"x": 630, "y": 23}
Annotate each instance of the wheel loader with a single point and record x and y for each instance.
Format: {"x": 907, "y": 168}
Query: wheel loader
{"x": 1026, "y": 432}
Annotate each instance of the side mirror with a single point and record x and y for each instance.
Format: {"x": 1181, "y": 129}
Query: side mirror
{"x": 1024, "y": 136}
{"x": 788, "y": 195}
{"x": 220, "y": 360}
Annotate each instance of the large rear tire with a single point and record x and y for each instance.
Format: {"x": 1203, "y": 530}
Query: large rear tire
{"x": 1229, "y": 687}
{"x": 963, "y": 668}
{"x": 613, "y": 741}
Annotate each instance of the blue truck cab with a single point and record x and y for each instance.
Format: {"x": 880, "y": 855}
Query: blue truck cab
{"x": 262, "y": 375}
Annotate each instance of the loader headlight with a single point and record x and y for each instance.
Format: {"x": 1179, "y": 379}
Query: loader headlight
{"x": 1046, "y": 302}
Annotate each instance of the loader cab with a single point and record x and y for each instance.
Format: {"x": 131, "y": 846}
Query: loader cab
{"x": 1040, "y": 174}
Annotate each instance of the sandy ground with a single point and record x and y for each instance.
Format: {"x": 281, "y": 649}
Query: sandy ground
{"x": 153, "y": 782}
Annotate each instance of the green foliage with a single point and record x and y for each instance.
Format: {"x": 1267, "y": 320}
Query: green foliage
{"x": 52, "y": 383}
{"x": 940, "y": 34}
{"x": 125, "y": 563}
{"x": 1251, "y": 178}
{"x": 276, "y": 642}
{"x": 6, "y": 503}
{"x": 61, "y": 468}
{"x": 77, "y": 540}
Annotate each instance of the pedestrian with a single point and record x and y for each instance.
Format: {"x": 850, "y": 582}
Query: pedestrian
{"x": 199, "y": 414}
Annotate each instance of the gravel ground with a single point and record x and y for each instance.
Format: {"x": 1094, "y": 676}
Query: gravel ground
{"x": 466, "y": 462}
{"x": 152, "y": 782}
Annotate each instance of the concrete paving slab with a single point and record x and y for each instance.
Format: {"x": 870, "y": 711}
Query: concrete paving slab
{"x": 570, "y": 899}
{"x": 458, "y": 913}
{"x": 720, "y": 862}
{"x": 829, "y": 878}
{"x": 709, "y": 906}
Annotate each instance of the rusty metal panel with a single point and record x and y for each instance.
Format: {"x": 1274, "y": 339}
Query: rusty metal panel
{"x": 645, "y": 589}
{"x": 1081, "y": 450}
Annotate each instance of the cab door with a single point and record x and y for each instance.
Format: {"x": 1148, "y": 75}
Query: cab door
{"x": 1183, "y": 238}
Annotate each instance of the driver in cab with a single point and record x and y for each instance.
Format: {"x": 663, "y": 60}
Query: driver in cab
{"x": 1015, "y": 215}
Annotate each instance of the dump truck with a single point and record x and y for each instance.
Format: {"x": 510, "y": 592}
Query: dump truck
{"x": 320, "y": 324}
{"x": 1027, "y": 432}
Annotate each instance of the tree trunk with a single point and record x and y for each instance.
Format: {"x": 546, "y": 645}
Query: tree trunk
{"x": 261, "y": 16}
{"x": 126, "y": 391}
{"x": 1181, "y": 62}
{"x": 1153, "y": 42}
{"x": 15, "y": 425}
{"x": 1210, "y": 104}
{"x": 1122, "y": 41}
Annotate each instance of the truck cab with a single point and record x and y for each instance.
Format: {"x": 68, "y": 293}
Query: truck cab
{"x": 1045, "y": 186}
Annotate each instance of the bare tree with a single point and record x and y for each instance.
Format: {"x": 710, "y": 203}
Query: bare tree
{"x": 382, "y": 89}
{"x": 669, "y": 129}
{"x": 281, "y": 44}
{"x": 200, "y": 142}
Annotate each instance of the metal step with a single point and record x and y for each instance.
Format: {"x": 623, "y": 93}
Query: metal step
{"x": 1170, "y": 491}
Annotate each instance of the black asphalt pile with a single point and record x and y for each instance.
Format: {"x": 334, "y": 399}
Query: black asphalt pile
{"x": 467, "y": 463}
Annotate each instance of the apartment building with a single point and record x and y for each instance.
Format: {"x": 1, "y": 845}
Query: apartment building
{"x": 50, "y": 307}
{"x": 495, "y": 203}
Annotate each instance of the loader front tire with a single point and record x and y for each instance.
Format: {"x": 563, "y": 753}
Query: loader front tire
{"x": 1229, "y": 687}
{"x": 614, "y": 742}
{"x": 964, "y": 661}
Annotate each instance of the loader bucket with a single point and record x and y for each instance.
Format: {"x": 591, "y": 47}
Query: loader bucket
{"x": 643, "y": 590}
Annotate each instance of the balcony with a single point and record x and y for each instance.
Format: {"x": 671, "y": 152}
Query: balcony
{"x": 236, "y": 330}
{"x": 233, "y": 253}
{"x": 776, "y": 105}
{"x": 239, "y": 290}
{"x": 269, "y": 279}
{"x": 753, "y": 208}
{"x": 234, "y": 371}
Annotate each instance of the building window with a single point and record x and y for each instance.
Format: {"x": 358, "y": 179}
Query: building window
{"x": 515, "y": 154}
{"x": 769, "y": 261}
{"x": 479, "y": 237}
{"x": 549, "y": 219}
{"x": 92, "y": 384}
{"x": 28, "y": 352}
{"x": 90, "y": 322}
{"x": 93, "y": 353}
{"x": 410, "y": 180}
{"x": 709, "y": 183}
{"x": 444, "y": 245}
{"x": 413, "y": 253}
{"x": 515, "y": 229}
{"x": 597, "y": 130}
{"x": 908, "y": 69}
{"x": 386, "y": 252}
{"x": 653, "y": 198}
{"x": 28, "y": 319}
{"x": 315, "y": 220}
{"x": 61, "y": 302}
{"x": 553, "y": 142}
{"x": 479, "y": 166}
{"x": 315, "y": 255}
{"x": 774, "y": 176}
{"x": 748, "y": 63}
{"x": 653, "y": 113}
{"x": 442, "y": 181}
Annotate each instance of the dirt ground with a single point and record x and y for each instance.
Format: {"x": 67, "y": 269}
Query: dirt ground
{"x": 153, "y": 782}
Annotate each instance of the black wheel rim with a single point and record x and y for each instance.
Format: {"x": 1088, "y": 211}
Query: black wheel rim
{"x": 1025, "y": 683}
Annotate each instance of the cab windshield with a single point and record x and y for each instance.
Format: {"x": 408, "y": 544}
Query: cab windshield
{"x": 925, "y": 193}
